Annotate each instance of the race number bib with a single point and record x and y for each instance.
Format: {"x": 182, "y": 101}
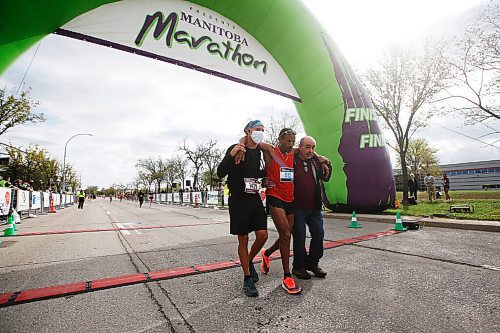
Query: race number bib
{"x": 251, "y": 185}
{"x": 286, "y": 175}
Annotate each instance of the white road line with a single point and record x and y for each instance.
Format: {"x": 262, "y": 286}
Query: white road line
{"x": 121, "y": 226}
{"x": 493, "y": 268}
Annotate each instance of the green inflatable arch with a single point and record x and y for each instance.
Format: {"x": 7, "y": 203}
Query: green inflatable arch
{"x": 333, "y": 105}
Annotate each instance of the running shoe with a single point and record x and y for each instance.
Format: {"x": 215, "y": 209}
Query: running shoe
{"x": 249, "y": 288}
{"x": 265, "y": 264}
{"x": 317, "y": 271}
{"x": 289, "y": 285}
{"x": 253, "y": 273}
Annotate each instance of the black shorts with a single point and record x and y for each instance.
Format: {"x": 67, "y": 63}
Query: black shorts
{"x": 278, "y": 203}
{"x": 246, "y": 214}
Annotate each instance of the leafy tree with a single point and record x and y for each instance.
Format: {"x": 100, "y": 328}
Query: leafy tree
{"x": 15, "y": 111}
{"x": 400, "y": 87}
{"x": 476, "y": 65}
{"x": 421, "y": 157}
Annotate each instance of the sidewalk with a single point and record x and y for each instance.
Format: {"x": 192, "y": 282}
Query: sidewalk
{"x": 491, "y": 226}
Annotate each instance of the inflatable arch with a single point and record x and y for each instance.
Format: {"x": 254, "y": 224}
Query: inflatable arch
{"x": 275, "y": 45}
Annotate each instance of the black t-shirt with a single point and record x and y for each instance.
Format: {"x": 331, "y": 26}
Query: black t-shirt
{"x": 141, "y": 196}
{"x": 251, "y": 167}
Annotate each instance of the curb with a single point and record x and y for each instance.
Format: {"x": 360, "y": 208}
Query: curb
{"x": 489, "y": 226}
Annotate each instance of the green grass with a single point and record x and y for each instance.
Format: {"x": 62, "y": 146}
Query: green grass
{"x": 486, "y": 206}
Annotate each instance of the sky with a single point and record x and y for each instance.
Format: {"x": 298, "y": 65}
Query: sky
{"x": 137, "y": 107}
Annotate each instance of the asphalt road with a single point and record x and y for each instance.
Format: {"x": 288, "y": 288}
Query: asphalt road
{"x": 431, "y": 280}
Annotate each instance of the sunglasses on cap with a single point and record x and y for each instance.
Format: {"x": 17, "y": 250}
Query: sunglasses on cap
{"x": 287, "y": 132}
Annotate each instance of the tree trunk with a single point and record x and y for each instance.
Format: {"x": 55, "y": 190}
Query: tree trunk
{"x": 404, "y": 171}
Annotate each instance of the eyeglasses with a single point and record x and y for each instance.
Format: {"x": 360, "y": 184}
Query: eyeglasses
{"x": 305, "y": 166}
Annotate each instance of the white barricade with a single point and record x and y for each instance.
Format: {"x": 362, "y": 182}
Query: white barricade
{"x": 68, "y": 199}
{"x": 57, "y": 199}
{"x": 157, "y": 197}
{"x": 5, "y": 200}
{"x": 197, "y": 198}
{"x": 36, "y": 200}
{"x": 23, "y": 200}
{"x": 177, "y": 197}
{"x": 46, "y": 199}
{"x": 213, "y": 198}
{"x": 170, "y": 197}
{"x": 186, "y": 197}
{"x": 163, "y": 197}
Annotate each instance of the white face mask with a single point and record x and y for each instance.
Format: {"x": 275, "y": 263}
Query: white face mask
{"x": 257, "y": 136}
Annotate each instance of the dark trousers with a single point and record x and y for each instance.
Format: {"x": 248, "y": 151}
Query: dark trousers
{"x": 413, "y": 193}
{"x": 80, "y": 202}
{"x": 314, "y": 220}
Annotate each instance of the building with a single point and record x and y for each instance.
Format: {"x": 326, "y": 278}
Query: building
{"x": 484, "y": 175}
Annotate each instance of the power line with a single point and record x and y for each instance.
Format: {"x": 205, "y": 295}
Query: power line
{"x": 27, "y": 69}
{"x": 470, "y": 137}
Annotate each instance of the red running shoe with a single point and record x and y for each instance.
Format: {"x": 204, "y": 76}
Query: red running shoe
{"x": 265, "y": 263}
{"x": 289, "y": 285}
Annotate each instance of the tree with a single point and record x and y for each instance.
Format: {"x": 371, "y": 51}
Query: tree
{"x": 16, "y": 111}
{"x": 212, "y": 159}
{"x": 276, "y": 123}
{"x": 197, "y": 156}
{"x": 400, "y": 87}
{"x": 476, "y": 66}
{"x": 32, "y": 164}
{"x": 179, "y": 165}
{"x": 154, "y": 171}
{"x": 421, "y": 157}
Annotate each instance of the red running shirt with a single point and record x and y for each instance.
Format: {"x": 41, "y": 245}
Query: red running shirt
{"x": 280, "y": 171}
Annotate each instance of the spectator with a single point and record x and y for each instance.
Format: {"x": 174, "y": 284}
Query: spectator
{"x": 429, "y": 183}
{"x": 413, "y": 186}
{"x": 446, "y": 186}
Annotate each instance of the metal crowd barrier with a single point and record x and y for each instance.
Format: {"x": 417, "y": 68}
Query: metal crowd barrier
{"x": 32, "y": 203}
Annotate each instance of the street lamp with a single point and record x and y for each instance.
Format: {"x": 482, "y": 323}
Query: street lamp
{"x": 64, "y": 160}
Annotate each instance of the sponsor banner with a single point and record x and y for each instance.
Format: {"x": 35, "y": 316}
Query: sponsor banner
{"x": 185, "y": 34}
{"x": 213, "y": 198}
{"x": 5, "y": 200}
{"x": 57, "y": 199}
{"x": 177, "y": 197}
{"x": 163, "y": 197}
{"x": 197, "y": 197}
{"x": 23, "y": 200}
{"x": 46, "y": 199}
{"x": 36, "y": 200}
{"x": 186, "y": 197}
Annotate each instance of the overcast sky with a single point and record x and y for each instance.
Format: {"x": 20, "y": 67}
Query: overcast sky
{"x": 137, "y": 107}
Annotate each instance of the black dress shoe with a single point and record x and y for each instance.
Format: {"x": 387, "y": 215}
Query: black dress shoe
{"x": 301, "y": 274}
{"x": 317, "y": 271}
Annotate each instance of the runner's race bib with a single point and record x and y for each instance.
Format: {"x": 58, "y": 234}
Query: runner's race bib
{"x": 286, "y": 175}
{"x": 251, "y": 185}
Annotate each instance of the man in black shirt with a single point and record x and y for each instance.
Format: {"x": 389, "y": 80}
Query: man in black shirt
{"x": 246, "y": 212}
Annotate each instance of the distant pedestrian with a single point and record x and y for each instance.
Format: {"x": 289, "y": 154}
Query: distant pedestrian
{"x": 429, "y": 183}
{"x": 140, "y": 196}
{"x": 446, "y": 186}
{"x": 150, "y": 199}
{"x": 413, "y": 186}
{"x": 81, "y": 199}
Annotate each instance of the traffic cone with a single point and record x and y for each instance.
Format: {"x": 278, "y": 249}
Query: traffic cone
{"x": 354, "y": 221}
{"x": 52, "y": 210}
{"x": 399, "y": 223}
{"x": 10, "y": 231}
